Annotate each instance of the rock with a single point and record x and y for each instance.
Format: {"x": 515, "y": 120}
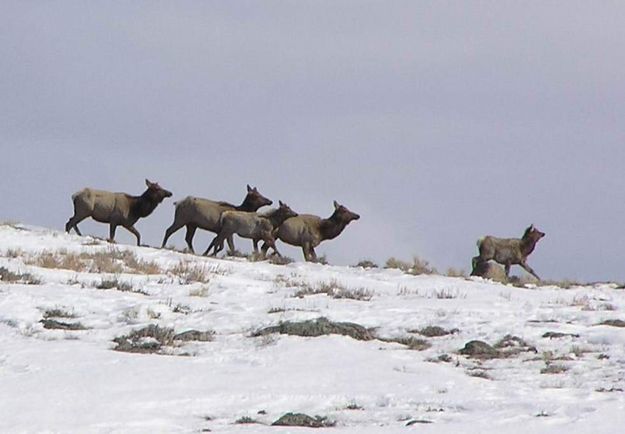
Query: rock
{"x": 480, "y": 350}
{"x": 54, "y": 324}
{"x": 556, "y": 335}
{"x": 511, "y": 345}
{"x": 435, "y": 331}
{"x": 490, "y": 270}
{"x": 613, "y": 323}
{"x": 195, "y": 335}
{"x": 301, "y": 419}
{"x": 149, "y": 339}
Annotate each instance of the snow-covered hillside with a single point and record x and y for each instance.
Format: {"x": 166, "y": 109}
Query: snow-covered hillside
{"x": 53, "y": 379}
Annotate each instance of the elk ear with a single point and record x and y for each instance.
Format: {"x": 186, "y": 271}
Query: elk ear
{"x": 336, "y": 205}
{"x": 249, "y": 189}
{"x": 280, "y": 203}
{"x": 148, "y": 183}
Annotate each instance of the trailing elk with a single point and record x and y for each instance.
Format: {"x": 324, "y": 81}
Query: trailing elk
{"x": 509, "y": 251}
{"x": 308, "y": 231}
{"x": 117, "y": 209}
{"x": 195, "y": 212}
{"x": 251, "y": 225}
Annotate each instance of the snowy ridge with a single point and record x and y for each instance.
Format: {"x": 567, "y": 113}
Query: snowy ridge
{"x": 54, "y": 380}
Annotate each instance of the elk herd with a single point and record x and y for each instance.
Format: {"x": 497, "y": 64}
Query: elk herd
{"x": 282, "y": 223}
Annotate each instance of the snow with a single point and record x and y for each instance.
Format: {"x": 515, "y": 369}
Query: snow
{"x": 72, "y": 381}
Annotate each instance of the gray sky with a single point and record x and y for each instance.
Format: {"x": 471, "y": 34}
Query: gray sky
{"x": 438, "y": 122}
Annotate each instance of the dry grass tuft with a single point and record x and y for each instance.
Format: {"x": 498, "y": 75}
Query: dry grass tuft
{"x": 110, "y": 260}
{"x": 188, "y": 272}
{"x": 416, "y": 267}
{"x": 10, "y": 277}
{"x": 333, "y": 289}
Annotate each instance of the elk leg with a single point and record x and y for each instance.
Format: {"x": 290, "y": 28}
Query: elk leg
{"x": 305, "y": 248}
{"x": 313, "y": 254}
{"x": 231, "y": 243}
{"x": 112, "y": 230}
{"x": 73, "y": 223}
{"x": 529, "y": 270}
{"x": 255, "y": 242}
{"x": 170, "y": 230}
{"x": 264, "y": 249}
{"x": 189, "y": 236}
{"x": 135, "y": 232}
{"x": 507, "y": 267}
{"x": 217, "y": 244}
{"x": 270, "y": 242}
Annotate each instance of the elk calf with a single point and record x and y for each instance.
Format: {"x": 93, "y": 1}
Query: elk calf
{"x": 117, "y": 209}
{"x": 195, "y": 212}
{"x": 509, "y": 251}
{"x": 308, "y": 231}
{"x": 251, "y": 225}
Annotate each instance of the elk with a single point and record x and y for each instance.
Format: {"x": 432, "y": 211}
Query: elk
{"x": 509, "y": 251}
{"x": 308, "y": 231}
{"x": 251, "y": 225}
{"x": 117, "y": 209}
{"x": 195, "y": 212}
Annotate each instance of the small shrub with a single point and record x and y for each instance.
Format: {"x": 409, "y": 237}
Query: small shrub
{"x": 479, "y": 373}
{"x": 14, "y": 253}
{"x": 335, "y": 290}
{"x": 110, "y": 260}
{"x": 434, "y": 331}
{"x": 366, "y": 263}
{"x": 554, "y": 369}
{"x": 323, "y": 260}
{"x": 409, "y": 341}
{"x": 146, "y": 340}
{"x": 416, "y": 267}
{"x": 58, "y": 313}
{"x": 181, "y": 308}
{"x": 279, "y": 260}
{"x": 245, "y": 420}
{"x": 276, "y": 310}
{"x": 318, "y": 327}
{"x": 189, "y": 273}
{"x": 10, "y": 277}
{"x": 454, "y": 272}
{"x": 202, "y": 291}
{"x": 54, "y": 324}
{"x": 564, "y": 284}
{"x": 117, "y": 284}
{"x": 579, "y": 351}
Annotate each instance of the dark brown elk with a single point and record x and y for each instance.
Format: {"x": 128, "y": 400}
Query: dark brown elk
{"x": 308, "y": 231}
{"x": 509, "y": 251}
{"x": 195, "y": 212}
{"x": 117, "y": 209}
{"x": 251, "y": 225}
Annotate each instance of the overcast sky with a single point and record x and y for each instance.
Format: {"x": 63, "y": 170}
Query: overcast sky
{"x": 437, "y": 122}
